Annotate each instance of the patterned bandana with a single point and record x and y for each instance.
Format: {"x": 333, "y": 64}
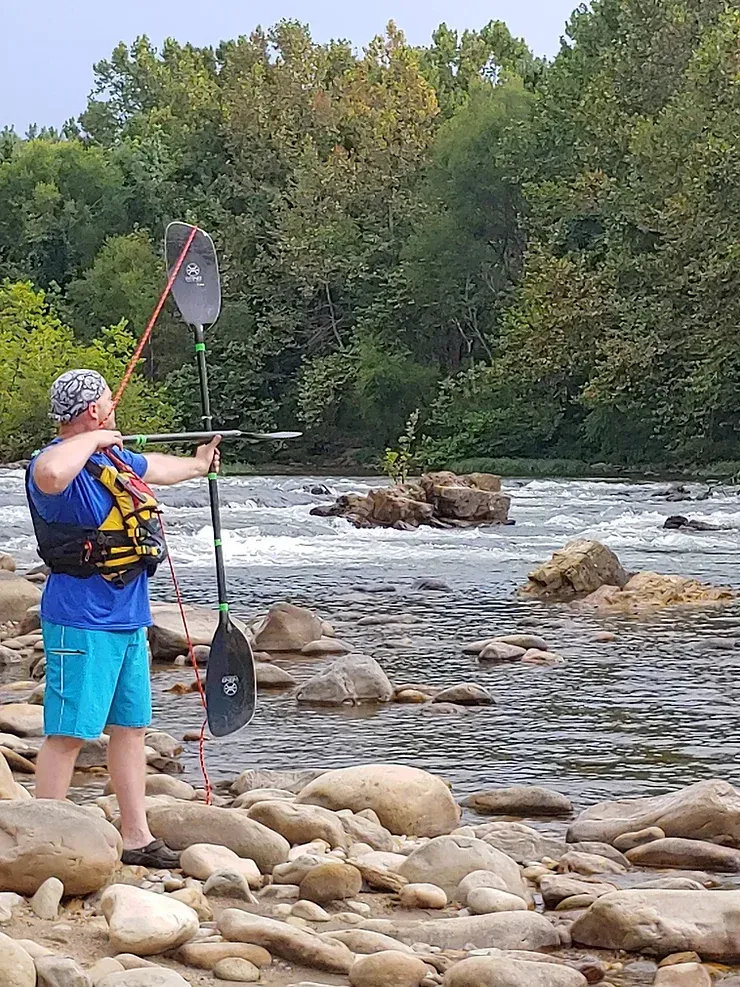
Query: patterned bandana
{"x": 73, "y": 392}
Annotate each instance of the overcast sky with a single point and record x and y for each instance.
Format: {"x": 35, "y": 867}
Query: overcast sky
{"x": 48, "y": 47}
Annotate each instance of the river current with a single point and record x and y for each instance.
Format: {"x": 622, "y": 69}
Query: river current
{"x": 652, "y": 711}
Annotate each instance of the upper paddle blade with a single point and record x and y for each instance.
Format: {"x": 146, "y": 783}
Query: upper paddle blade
{"x": 231, "y": 687}
{"x": 197, "y": 287}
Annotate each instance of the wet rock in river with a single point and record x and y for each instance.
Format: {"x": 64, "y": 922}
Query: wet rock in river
{"x": 520, "y": 800}
{"x": 272, "y": 676}
{"x": 407, "y": 801}
{"x": 465, "y": 694}
{"x": 629, "y": 841}
{"x": 287, "y": 628}
{"x": 575, "y": 571}
{"x": 167, "y": 637}
{"x": 326, "y": 646}
{"x": 289, "y": 781}
{"x": 350, "y": 679}
{"x": 501, "y": 651}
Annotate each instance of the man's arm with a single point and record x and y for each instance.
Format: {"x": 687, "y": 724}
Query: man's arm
{"x": 57, "y": 466}
{"x": 163, "y": 470}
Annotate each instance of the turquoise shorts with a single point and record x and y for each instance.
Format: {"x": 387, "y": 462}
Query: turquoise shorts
{"x": 95, "y": 679}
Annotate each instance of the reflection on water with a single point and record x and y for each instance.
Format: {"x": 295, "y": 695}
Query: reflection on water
{"x": 654, "y": 710}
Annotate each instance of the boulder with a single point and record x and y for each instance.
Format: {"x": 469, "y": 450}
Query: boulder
{"x": 500, "y": 651}
{"x": 248, "y": 799}
{"x": 465, "y": 694}
{"x": 16, "y": 966}
{"x": 310, "y": 911}
{"x": 331, "y": 882}
{"x": 144, "y": 923}
{"x": 462, "y": 503}
{"x": 663, "y": 922}
{"x": 229, "y": 883}
{"x": 203, "y": 860}
{"x": 628, "y": 841}
{"x": 295, "y": 870}
{"x": 326, "y": 646}
{"x": 575, "y": 571}
{"x": 205, "y": 955}
{"x": 446, "y": 860}
{"x": 146, "y": 977}
{"x": 45, "y": 903}
{"x": 286, "y": 941}
{"x": 520, "y": 842}
{"x": 407, "y": 801}
{"x": 653, "y": 591}
{"x": 589, "y": 863}
{"x": 272, "y": 676}
{"x": 388, "y": 969}
{"x": 60, "y": 971}
{"x": 42, "y": 839}
{"x": 478, "y": 879}
{"x": 16, "y": 596}
{"x": 683, "y": 975}
{"x": 708, "y": 810}
{"x": 555, "y": 888}
{"x": 366, "y": 942}
{"x": 488, "y": 901}
{"x": 263, "y": 778}
{"x": 9, "y": 787}
{"x": 351, "y": 679}
{"x": 422, "y": 896}
{"x": 167, "y": 785}
{"x": 362, "y": 830}
{"x": 236, "y": 970}
{"x": 686, "y": 855}
{"x": 167, "y": 636}
{"x": 491, "y": 971}
{"x": 300, "y": 823}
{"x": 287, "y": 628}
{"x": 520, "y": 800}
{"x": 22, "y": 719}
{"x": 182, "y": 824}
{"x": 505, "y": 930}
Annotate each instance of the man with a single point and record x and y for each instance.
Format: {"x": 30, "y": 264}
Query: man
{"x": 98, "y": 530}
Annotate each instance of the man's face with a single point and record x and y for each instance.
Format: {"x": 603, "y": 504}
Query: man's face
{"x": 101, "y": 412}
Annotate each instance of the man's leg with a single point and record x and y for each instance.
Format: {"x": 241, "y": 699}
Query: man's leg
{"x": 127, "y": 767}
{"x": 55, "y": 765}
{"x": 130, "y": 714}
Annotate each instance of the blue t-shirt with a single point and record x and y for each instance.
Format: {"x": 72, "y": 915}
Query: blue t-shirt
{"x": 93, "y": 603}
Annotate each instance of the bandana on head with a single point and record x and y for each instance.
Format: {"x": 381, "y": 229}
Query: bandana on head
{"x": 73, "y": 392}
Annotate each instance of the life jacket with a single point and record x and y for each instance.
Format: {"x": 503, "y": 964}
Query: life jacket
{"x": 128, "y": 543}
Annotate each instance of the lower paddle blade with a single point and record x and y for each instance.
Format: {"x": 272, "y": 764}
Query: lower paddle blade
{"x": 231, "y": 687}
{"x": 270, "y": 436}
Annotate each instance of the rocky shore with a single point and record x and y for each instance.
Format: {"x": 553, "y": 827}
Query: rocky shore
{"x": 377, "y": 875}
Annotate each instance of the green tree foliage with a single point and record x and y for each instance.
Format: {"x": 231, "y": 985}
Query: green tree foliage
{"x": 540, "y": 257}
{"x": 35, "y": 347}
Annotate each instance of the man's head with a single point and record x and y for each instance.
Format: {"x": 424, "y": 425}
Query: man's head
{"x": 81, "y": 400}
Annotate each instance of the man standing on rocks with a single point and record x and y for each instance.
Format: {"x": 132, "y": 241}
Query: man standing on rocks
{"x": 98, "y": 531}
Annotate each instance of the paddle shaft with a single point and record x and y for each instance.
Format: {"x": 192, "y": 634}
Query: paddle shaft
{"x": 169, "y": 438}
{"x": 200, "y": 355}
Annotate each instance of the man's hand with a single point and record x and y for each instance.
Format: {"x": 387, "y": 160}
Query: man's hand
{"x": 208, "y": 457}
{"x": 107, "y": 437}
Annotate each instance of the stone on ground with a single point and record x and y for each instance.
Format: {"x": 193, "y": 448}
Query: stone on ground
{"x": 446, "y": 860}
{"x": 205, "y": 955}
{"x": 16, "y": 966}
{"x": 300, "y": 823}
{"x": 663, "y": 922}
{"x": 507, "y": 930}
{"x": 16, "y": 596}
{"x": 388, "y": 969}
{"x": 46, "y": 839}
{"x": 520, "y": 800}
{"x": 203, "y": 860}
{"x": 60, "y": 971}
{"x": 283, "y": 940}
{"x": 182, "y": 824}
{"x": 331, "y": 882}
{"x": 144, "y": 923}
{"x": 407, "y": 801}
{"x": 422, "y": 896}
{"x": 149, "y": 977}
{"x": 686, "y": 855}
{"x": 490, "y": 971}
{"x": 45, "y": 903}
{"x": 236, "y": 970}
{"x": 488, "y": 901}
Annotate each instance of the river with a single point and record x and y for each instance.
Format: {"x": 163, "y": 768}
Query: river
{"x": 655, "y": 710}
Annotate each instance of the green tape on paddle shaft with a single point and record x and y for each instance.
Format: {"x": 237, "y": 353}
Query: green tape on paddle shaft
{"x": 200, "y": 347}
{"x": 217, "y": 542}
{"x": 224, "y": 607}
{"x": 140, "y": 441}
{"x": 213, "y": 476}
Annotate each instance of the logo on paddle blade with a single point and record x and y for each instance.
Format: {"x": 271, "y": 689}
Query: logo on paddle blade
{"x": 230, "y": 685}
{"x": 192, "y": 274}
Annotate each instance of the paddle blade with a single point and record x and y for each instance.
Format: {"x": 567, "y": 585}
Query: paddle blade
{"x": 231, "y": 687}
{"x": 271, "y": 436}
{"x": 197, "y": 287}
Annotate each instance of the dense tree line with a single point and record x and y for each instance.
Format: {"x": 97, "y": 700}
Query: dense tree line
{"x": 542, "y": 258}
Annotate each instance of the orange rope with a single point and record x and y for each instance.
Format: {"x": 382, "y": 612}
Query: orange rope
{"x": 119, "y": 394}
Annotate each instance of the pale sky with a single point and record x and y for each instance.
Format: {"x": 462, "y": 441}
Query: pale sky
{"x": 48, "y": 47}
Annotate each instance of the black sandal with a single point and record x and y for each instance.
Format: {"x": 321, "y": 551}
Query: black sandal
{"x": 156, "y": 856}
